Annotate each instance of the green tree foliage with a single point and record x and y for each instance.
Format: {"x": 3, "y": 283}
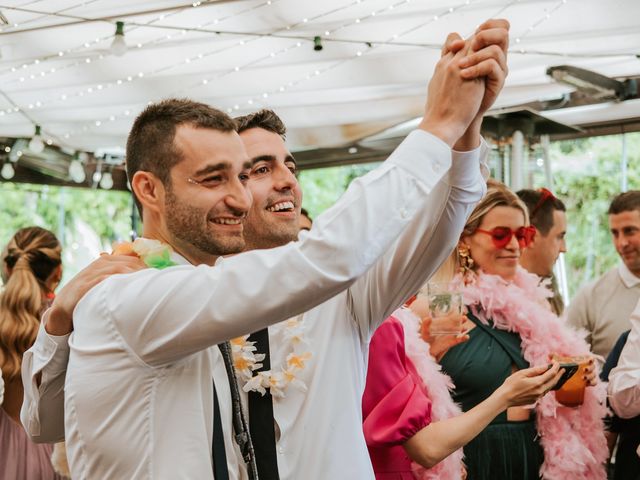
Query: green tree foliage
{"x": 587, "y": 174}
{"x": 61, "y": 210}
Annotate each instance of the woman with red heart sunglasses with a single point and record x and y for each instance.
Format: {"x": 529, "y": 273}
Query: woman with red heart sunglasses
{"x": 511, "y": 329}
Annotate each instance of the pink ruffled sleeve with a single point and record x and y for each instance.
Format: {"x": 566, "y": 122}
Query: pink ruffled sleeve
{"x": 394, "y": 405}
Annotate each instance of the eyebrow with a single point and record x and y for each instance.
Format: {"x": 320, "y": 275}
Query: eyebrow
{"x": 216, "y": 167}
{"x": 271, "y": 158}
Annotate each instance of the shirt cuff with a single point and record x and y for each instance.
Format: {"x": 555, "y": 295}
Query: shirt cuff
{"x": 424, "y": 156}
{"x": 469, "y": 168}
{"x": 51, "y": 351}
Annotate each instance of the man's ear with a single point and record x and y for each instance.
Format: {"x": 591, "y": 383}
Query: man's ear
{"x": 149, "y": 191}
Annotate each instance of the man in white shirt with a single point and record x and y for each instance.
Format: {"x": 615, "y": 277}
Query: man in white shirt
{"x": 338, "y": 336}
{"x": 624, "y": 392}
{"x": 603, "y": 307}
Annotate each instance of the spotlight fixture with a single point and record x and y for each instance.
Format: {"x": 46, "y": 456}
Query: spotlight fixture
{"x": 594, "y": 84}
{"x": 119, "y": 46}
{"x": 106, "y": 182}
{"x": 76, "y": 170}
{"x": 36, "y": 145}
{"x": 7, "y": 171}
{"x": 317, "y": 44}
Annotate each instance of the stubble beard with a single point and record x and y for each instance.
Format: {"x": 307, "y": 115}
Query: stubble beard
{"x": 269, "y": 233}
{"x": 189, "y": 224}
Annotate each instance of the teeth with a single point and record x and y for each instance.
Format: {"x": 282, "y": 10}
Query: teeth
{"x": 281, "y": 206}
{"x": 227, "y": 221}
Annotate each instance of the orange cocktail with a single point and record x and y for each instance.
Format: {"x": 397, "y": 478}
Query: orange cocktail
{"x": 571, "y": 394}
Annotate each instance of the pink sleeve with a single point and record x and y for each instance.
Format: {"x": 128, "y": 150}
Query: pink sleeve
{"x": 394, "y": 405}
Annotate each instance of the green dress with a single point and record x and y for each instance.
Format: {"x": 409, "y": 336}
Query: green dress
{"x": 504, "y": 450}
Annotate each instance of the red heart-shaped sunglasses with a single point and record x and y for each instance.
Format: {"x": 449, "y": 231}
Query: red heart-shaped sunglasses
{"x": 501, "y": 236}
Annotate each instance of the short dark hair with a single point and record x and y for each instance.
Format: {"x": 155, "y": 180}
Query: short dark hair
{"x": 625, "y": 202}
{"x": 265, "y": 119}
{"x": 150, "y": 146}
{"x": 540, "y": 211}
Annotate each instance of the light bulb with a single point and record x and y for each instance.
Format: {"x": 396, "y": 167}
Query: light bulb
{"x": 7, "y": 171}
{"x": 76, "y": 171}
{"x": 36, "y": 145}
{"x": 106, "y": 182}
{"x": 119, "y": 46}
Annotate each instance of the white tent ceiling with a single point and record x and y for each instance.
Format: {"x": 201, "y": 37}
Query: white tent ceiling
{"x": 57, "y": 70}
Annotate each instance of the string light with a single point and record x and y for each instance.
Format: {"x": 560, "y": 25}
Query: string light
{"x": 537, "y": 23}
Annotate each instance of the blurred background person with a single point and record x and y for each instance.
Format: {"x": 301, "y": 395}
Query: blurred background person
{"x": 32, "y": 267}
{"x": 305, "y": 220}
{"x": 623, "y": 432}
{"x": 548, "y": 215}
{"x": 624, "y": 398}
{"x": 604, "y": 306}
{"x": 515, "y": 328}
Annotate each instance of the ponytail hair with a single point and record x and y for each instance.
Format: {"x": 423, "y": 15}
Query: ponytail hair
{"x": 32, "y": 255}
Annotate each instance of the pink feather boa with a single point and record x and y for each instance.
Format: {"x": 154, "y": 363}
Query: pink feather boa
{"x": 437, "y": 385}
{"x": 573, "y": 439}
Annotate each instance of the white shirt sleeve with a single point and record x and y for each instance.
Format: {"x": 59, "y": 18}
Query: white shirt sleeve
{"x": 624, "y": 379}
{"x": 42, "y": 413}
{"x": 164, "y": 315}
{"x": 421, "y": 248}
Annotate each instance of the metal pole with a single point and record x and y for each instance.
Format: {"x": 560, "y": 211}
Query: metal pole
{"x": 517, "y": 160}
{"x": 624, "y": 186}
{"x": 545, "y": 144}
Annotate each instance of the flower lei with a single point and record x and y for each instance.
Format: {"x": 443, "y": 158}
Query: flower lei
{"x": 278, "y": 379}
{"x": 153, "y": 253}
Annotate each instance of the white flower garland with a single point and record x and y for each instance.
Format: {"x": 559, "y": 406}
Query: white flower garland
{"x": 277, "y": 380}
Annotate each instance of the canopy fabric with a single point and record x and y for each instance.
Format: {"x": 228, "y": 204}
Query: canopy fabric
{"x": 57, "y": 68}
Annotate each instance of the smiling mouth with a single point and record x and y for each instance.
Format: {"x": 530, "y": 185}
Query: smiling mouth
{"x": 281, "y": 207}
{"x": 227, "y": 221}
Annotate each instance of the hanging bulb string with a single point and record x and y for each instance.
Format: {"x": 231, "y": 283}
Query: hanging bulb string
{"x": 43, "y": 14}
{"x": 536, "y": 24}
{"x": 130, "y": 78}
{"x": 85, "y": 45}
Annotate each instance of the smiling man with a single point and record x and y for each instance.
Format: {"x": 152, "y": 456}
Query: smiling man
{"x": 603, "y": 307}
{"x": 139, "y": 393}
{"x": 326, "y": 396}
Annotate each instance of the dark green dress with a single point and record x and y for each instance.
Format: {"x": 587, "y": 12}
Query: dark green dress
{"x": 504, "y": 450}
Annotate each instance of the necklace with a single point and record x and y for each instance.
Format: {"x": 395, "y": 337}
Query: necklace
{"x": 278, "y": 378}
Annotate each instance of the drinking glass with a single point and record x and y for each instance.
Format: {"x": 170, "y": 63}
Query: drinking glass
{"x": 445, "y": 308}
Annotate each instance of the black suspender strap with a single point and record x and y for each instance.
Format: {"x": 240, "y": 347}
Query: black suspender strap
{"x": 220, "y": 470}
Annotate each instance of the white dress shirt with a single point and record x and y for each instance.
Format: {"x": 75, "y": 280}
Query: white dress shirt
{"x": 138, "y": 389}
{"x": 624, "y": 379}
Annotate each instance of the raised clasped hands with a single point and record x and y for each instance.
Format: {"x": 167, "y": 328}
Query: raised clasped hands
{"x": 466, "y": 82}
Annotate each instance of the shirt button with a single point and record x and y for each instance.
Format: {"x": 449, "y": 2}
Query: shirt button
{"x": 281, "y": 450}
{"x": 404, "y": 213}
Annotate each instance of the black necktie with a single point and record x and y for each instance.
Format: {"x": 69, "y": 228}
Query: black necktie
{"x": 261, "y": 423}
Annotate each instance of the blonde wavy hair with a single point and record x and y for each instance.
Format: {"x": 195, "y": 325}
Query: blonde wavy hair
{"x": 498, "y": 195}
{"x": 31, "y": 257}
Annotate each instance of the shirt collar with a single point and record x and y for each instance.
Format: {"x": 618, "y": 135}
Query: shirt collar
{"x": 628, "y": 278}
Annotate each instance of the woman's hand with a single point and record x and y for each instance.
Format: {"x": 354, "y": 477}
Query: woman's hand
{"x": 526, "y": 386}
{"x": 590, "y": 374}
